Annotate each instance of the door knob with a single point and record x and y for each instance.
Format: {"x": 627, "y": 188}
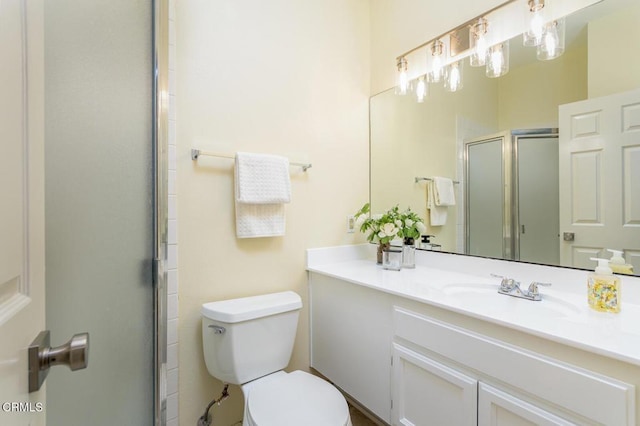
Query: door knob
{"x": 74, "y": 354}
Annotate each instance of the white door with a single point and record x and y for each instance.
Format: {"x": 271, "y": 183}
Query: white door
{"x": 22, "y": 295}
{"x": 600, "y": 179}
{"x": 426, "y": 392}
{"x": 498, "y": 408}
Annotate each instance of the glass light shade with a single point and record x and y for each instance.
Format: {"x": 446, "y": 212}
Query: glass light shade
{"x": 421, "y": 89}
{"x": 453, "y": 77}
{"x": 403, "y": 85}
{"x": 478, "y": 43}
{"x": 535, "y": 23}
{"x": 498, "y": 60}
{"x": 437, "y": 62}
{"x": 552, "y": 44}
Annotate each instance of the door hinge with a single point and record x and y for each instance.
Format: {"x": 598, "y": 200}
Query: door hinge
{"x": 392, "y": 404}
{"x": 392, "y": 361}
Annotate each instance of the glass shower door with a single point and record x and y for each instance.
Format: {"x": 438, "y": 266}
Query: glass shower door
{"x": 99, "y": 208}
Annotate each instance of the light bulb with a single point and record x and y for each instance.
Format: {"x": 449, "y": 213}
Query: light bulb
{"x": 421, "y": 90}
{"x": 552, "y": 44}
{"x": 535, "y": 23}
{"x": 403, "y": 86}
{"x": 478, "y": 43}
{"x": 498, "y": 60}
{"x": 453, "y": 80}
{"x": 436, "y": 63}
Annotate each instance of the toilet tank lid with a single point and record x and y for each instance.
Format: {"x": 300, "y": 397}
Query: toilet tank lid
{"x": 247, "y": 308}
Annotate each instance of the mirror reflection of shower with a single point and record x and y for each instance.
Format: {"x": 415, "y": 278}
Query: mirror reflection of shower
{"x": 511, "y": 196}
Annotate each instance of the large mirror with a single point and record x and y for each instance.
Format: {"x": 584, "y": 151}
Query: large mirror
{"x": 530, "y": 152}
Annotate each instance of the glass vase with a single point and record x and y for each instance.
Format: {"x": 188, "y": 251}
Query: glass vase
{"x": 392, "y": 258}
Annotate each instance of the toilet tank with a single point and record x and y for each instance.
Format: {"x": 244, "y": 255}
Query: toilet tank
{"x": 244, "y": 339}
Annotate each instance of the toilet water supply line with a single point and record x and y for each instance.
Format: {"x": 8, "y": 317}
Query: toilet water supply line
{"x": 205, "y": 420}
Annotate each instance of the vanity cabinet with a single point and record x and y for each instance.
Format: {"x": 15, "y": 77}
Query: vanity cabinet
{"x": 411, "y": 363}
{"x": 427, "y": 392}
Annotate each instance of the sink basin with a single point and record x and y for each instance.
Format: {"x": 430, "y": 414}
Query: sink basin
{"x": 487, "y": 295}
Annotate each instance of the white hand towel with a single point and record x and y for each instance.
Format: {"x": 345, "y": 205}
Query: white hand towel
{"x": 443, "y": 191}
{"x": 262, "y": 179}
{"x": 262, "y": 185}
{"x": 437, "y": 214}
{"x": 259, "y": 220}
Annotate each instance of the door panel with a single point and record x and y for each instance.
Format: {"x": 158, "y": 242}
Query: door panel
{"x": 600, "y": 178}
{"x": 537, "y": 187}
{"x": 22, "y": 212}
{"x": 99, "y": 208}
{"x": 427, "y": 392}
{"x": 484, "y": 183}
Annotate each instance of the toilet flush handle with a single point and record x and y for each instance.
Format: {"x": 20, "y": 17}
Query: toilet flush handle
{"x": 217, "y": 329}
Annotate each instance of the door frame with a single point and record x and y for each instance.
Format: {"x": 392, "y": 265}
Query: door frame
{"x": 160, "y": 135}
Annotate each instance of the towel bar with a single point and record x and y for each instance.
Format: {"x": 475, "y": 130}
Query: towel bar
{"x": 195, "y": 153}
{"x": 418, "y": 179}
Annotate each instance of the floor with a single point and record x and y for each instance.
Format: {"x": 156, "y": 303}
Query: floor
{"x": 359, "y": 419}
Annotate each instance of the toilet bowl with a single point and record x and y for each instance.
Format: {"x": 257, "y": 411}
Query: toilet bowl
{"x": 294, "y": 399}
{"x": 248, "y": 342}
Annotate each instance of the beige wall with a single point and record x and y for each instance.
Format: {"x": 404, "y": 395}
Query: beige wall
{"x": 529, "y": 95}
{"x": 283, "y": 77}
{"x": 614, "y": 62}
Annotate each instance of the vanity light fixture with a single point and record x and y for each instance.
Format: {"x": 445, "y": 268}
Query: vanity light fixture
{"x": 552, "y": 44}
{"x": 535, "y": 23}
{"x": 453, "y": 77}
{"x": 498, "y": 60}
{"x": 437, "y": 62}
{"x": 403, "y": 86}
{"x": 421, "y": 89}
{"x": 478, "y": 43}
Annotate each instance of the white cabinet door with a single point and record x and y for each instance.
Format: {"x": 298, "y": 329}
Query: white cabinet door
{"x": 497, "y": 408}
{"x": 600, "y": 178}
{"x": 426, "y": 392}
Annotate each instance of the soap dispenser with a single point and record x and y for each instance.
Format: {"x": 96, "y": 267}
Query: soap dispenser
{"x": 617, "y": 263}
{"x": 603, "y": 288}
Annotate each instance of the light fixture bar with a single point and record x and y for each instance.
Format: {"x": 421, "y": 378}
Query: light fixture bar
{"x": 458, "y": 28}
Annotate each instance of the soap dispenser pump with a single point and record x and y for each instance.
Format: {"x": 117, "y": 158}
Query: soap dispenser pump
{"x": 617, "y": 263}
{"x": 603, "y": 288}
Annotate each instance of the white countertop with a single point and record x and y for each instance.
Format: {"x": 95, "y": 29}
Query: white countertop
{"x": 462, "y": 284}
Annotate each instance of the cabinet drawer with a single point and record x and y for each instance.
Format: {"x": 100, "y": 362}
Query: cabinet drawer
{"x": 585, "y": 393}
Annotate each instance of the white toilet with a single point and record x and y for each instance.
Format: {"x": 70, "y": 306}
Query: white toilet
{"x": 248, "y": 342}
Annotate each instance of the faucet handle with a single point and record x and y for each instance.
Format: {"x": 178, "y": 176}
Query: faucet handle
{"x": 506, "y": 283}
{"x": 533, "y": 287}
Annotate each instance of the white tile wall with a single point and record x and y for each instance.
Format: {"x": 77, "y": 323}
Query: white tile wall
{"x": 172, "y": 237}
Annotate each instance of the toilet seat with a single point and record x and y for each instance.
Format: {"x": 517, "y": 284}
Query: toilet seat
{"x": 295, "y": 399}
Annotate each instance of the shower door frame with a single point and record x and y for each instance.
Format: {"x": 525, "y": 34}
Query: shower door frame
{"x": 510, "y": 184}
{"x": 160, "y": 135}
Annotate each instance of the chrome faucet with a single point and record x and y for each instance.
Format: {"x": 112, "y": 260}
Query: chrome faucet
{"x": 511, "y": 287}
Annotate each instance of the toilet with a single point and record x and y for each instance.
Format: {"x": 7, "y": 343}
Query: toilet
{"x": 248, "y": 342}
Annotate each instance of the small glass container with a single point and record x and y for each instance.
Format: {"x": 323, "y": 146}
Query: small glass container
{"x": 392, "y": 258}
{"x": 409, "y": 253}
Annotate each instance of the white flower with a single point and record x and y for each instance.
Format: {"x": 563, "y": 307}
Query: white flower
{"x": 376, "y": 216}
{"x": 421, "y": 228}
{"x": 381, "y": 234}
{"x": 408, "y": 223}
{"x": 359, "y": 221}
{"x": 398, "y": 223}
{"x": 389, "y": 230}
